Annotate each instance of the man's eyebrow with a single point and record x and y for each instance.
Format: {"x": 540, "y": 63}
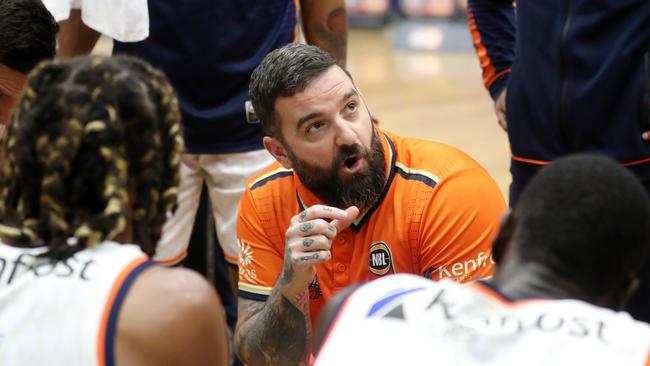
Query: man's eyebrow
{"x": 306, "y": 118}
{"x": 353, "y": 92}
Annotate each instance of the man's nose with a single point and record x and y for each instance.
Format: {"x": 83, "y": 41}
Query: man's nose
{"x": 345, "y": 135}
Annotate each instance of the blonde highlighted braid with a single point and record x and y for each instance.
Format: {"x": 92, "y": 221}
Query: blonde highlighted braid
{"x": 88, "y": 135}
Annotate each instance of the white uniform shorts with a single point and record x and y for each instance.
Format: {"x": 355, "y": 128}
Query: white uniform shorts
{"x": 225, "y": 176}
{"x": 123, "y": 20}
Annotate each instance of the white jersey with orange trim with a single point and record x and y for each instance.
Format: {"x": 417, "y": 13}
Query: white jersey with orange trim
{"x": 408, "y": 320}
{"x": 64, "y": 313}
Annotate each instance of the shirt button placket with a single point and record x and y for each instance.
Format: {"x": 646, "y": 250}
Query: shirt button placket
{"x": 341, "y": 261}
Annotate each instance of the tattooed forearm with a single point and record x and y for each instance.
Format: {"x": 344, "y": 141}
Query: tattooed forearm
{"x": 277, "y": 333}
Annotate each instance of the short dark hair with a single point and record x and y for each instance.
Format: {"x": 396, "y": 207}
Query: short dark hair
{"x": 283, "y": 73}
{"x": 84, "y": 132}
{"x": 27, "y": 34}
{"x": 588, "y": 219}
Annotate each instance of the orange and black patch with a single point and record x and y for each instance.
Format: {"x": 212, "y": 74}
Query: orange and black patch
{"x": 381, "y": 259}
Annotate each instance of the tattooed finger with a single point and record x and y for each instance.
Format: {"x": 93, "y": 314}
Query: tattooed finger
{"x": 307, "y": 242}
{"x": 305, "y": 258}
{"x": 306, "y": 226}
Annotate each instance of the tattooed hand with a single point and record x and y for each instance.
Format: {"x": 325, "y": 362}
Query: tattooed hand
{"x": 308, "y": 241}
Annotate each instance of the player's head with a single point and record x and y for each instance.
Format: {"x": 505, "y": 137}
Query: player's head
{"x": 318, "y": 124}
{"x": 27, "y": 37}
{"x": 586, "y": 220}
{"x": 92, "y": 150}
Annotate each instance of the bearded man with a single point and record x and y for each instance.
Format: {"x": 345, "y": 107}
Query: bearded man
{"x": 345, "y": 203}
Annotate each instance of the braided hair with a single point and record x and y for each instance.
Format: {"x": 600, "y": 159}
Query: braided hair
{"x": 94, "y": 143}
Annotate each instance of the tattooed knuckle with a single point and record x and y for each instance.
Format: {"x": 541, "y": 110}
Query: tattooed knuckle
{"x": 302, "y": 215}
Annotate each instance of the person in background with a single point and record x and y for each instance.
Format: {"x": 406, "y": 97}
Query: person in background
{"x": 208, "y": 49}
{"x": 568, "y": 256}
{"x": 89, "y": 176}
{"x": 82, "y": 22}
{"x": 27, "y": 37}
{"x": 568, "y": 77}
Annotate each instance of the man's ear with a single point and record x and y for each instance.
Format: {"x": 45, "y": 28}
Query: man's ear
{"x": 275, "y": 147}
{"x": 504, "y": 236}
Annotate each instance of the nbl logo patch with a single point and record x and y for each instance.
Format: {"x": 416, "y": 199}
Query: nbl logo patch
{"x": 381, "y": 259}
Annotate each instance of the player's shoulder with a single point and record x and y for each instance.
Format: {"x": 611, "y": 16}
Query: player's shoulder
{"x": 390, "y": 288}
{"x": 366, "y": 299}
{"x": 174, "y": 291}
{"x": 274, "y": 176}
{"x": 168, "y": 310}
{"x": 438, "y": 159}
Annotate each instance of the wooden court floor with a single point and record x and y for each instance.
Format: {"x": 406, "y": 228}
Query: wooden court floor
{"x": 436, "y": 96}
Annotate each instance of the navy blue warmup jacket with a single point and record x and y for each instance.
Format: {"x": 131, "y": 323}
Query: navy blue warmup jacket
{"x": 577, "y": 75}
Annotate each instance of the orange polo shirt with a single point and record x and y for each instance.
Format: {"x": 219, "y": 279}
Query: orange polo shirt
{"x": 436, "y": 217}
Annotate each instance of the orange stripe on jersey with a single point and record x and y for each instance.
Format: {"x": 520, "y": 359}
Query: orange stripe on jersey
{"x": 101, "y": 339}
{"x": 231, "y": 260}
{"x": 529, "y": 161}
{"x": 544, "y": 162}
{"x": 637, "y": 162}
{"x": 489, "y": 73}
{"x": 173, "y": 261}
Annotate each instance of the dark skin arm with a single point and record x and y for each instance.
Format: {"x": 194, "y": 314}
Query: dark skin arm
{"x": 171, "y": 316}
{"x": 75, "y": 37}
{"x": 325, "y": 25}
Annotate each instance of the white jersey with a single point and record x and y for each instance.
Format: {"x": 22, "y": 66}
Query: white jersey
{"x": 64, "y": 314}
{"x": 408, "y": 320}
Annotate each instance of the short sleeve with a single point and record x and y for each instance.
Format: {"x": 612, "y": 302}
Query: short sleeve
{"x": 260, "y": 256}
{"x": 459, "y": 223}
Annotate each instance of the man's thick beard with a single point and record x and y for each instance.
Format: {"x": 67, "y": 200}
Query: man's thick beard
{"x": 362, "y": 189}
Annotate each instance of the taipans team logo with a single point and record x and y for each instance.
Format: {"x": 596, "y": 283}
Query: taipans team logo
{"x": 381, "y": 259}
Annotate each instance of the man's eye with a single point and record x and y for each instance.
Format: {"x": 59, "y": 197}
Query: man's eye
{"x": 351, "y": 107}
{"x": 314, "y": 127}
